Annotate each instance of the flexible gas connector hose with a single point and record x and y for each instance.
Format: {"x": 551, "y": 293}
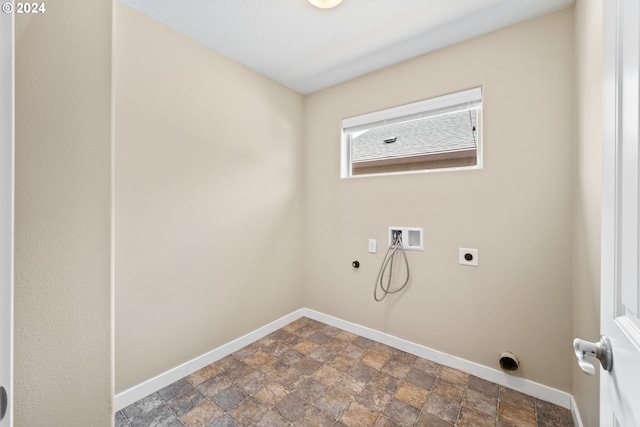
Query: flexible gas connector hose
{"x": 387, "y": 262}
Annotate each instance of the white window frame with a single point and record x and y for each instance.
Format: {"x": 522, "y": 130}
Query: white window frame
{"x": 470, "y": 98}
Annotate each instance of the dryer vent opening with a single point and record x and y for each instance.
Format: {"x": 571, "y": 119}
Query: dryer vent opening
{"x": 508, "y": 361}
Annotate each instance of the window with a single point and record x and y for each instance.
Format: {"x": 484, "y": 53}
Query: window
{"x": 437, "y": 133}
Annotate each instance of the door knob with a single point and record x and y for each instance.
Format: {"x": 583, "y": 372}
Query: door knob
{"x": 600, "y": 350}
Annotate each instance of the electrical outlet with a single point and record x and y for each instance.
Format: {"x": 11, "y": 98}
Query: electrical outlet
{"x": 468, "y": 256}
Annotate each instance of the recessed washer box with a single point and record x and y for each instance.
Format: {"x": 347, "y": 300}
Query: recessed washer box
{"x": 412, "y": 237}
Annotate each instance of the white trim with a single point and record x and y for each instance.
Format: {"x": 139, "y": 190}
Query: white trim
{"x": 577, "y": 420}
{"x": 7, "y": 215}
{"x": 135, "y": 393}
{"x": 522, "y": 385}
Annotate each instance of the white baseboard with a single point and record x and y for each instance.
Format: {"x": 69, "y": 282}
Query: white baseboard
{"x": 577, "y": 420}
{"x": 135, "y": 393}
{"x": 522, "y": 385}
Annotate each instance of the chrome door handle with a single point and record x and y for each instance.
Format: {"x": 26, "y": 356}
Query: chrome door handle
{"x": 600, "y": 350}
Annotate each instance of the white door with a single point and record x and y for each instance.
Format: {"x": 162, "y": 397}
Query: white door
{"x": 6, "y": 217}
{"x": 620, "y": 309}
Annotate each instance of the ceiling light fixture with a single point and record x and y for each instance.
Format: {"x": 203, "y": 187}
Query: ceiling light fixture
{"x": 325, "y": 4}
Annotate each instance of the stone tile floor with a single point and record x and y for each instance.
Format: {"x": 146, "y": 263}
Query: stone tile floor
{"x": 312, "y": 374}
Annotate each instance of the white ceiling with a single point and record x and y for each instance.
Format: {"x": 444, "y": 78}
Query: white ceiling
{"x": 308, "y": 49}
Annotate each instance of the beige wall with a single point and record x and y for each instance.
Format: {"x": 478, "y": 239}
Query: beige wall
{"x": 207, "y": 199}
{"x": 517, "y": 210}
{"x": 191, "y": 250}
{"x": 63, "y": 310}
{"x": 588, "y": 174}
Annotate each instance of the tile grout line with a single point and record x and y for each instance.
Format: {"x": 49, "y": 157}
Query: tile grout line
{"x": 273, "y": 406}
{"x": 352, "y": 399}
{"x": 170, "y": 408}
